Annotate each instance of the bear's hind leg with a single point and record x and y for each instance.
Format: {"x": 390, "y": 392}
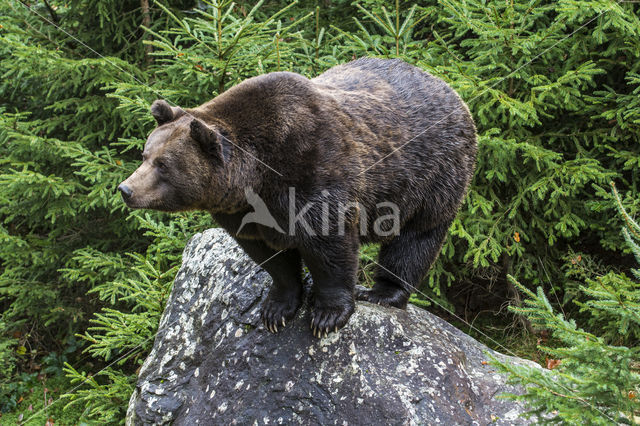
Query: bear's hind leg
{"x": 285, "y": 295}
{"x": 402, "y": 264}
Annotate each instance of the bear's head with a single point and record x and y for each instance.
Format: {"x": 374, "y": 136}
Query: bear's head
{"x": 184, "y": 165}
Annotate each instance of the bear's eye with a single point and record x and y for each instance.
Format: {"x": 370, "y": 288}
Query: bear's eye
{"x": 160, "y": 165}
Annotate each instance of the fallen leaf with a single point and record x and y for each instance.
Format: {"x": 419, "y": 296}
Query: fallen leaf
{"x": 552, "y": 363}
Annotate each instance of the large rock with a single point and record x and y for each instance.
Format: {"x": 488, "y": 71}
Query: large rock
{"x": 214, "y": 363}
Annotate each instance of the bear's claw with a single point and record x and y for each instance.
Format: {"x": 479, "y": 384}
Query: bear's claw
{"x": 276, "y": 312}
{"x": 331, "y": 318}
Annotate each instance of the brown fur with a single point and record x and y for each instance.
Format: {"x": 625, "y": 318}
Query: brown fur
{"x": 369, "y": 131}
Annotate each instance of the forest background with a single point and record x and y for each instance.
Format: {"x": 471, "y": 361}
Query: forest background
{"x": 554, "y": 88}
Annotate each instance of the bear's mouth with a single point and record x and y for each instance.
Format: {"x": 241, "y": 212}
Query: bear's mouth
{"x": 135, "y": 203}
{"x": 158, "y": 205}
{"x": 132, "y": 204}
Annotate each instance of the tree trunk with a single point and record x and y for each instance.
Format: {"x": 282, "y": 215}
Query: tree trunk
{"x": 146, "y": 22}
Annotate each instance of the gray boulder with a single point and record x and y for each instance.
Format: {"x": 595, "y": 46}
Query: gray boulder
{"x": 214, "y": 363}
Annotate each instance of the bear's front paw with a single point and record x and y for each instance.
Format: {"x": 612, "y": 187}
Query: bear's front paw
{"x": 325, "y": 319}
{"x": 276, "y": 312}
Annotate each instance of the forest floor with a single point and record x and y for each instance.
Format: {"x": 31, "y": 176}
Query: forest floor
{"x": 31, "y": 406}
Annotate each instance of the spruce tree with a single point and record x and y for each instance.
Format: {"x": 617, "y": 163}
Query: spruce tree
{"x": 63, "y": 229}
{"x": 553, "y": 86}
{"x": 594, "y": 375}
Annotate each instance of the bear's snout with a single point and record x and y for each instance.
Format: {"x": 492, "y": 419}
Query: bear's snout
{"x": 125, "y": 191}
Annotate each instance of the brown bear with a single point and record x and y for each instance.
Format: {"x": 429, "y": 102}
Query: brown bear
{"x": 299, "y": 169}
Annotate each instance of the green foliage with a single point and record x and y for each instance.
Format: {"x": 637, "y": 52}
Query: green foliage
{"x": 554, "y": 87}
{"x": 104, "y": 397}
{"x": 199, "y": 57}
{"x": 538, "y": 84}
{"x": 63, "y": 231}
{"x": 597, "y": 379}
{"x": 393, "y": 35}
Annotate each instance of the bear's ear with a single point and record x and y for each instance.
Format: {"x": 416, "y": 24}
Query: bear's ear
{"x": 165, "y": 113}
{"x": 207, "y": 139}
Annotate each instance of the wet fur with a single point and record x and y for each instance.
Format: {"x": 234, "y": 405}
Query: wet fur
{"x": 322, "y": 135}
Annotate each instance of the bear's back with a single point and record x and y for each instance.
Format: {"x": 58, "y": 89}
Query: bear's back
{"x": 396, "y": 82}
{"x": 392, "y": 94}
{"x": 365, "y": 74}
{"x": 416, "y": 132}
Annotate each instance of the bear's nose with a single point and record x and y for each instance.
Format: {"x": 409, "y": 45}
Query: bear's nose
{"x": 125, "y": 190}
